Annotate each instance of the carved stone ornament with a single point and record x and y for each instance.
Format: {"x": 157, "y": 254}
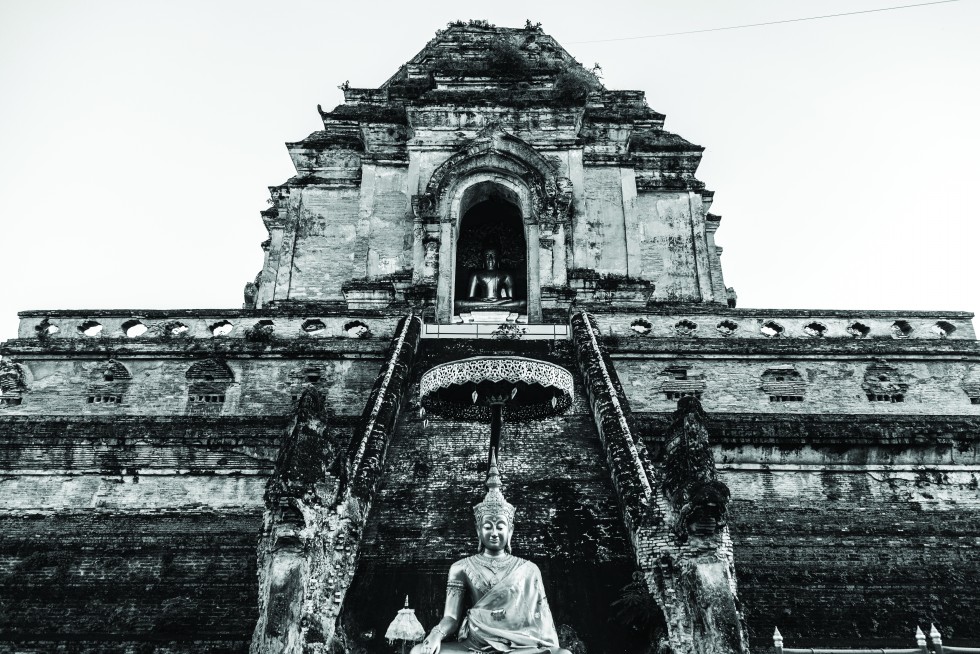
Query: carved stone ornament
{"x": 466, "y": 389}
{"x": 511, "y": 369}
{"x": 11, "y": 378}
{"x": 424, "y": 205}
{"x": 557, "y": 198}
{"x": 493, "y": 148}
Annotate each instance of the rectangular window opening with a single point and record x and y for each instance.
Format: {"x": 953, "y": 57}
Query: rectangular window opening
{"x": 207, "y": 399}
{"x": 894, "y": 398}
{"x": 104, "y": 399}
{"x": 676, "y": 395}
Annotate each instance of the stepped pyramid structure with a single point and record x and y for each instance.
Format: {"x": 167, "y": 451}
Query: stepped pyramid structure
{"x": 491, "y": 254}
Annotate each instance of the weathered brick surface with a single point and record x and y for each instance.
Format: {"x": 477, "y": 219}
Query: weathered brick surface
{"x": 666, "y": 244}
{"x": 139, "y": 463}
{"x": 600, "y": 233}
{"x": 855, "y": 439}
{"x": 160, "y": 386}
{"x": 735, "y": 385}
{"x": 327, "y": 237}
{"x": 856, "y": 558}
{"x": 97, "y": 582}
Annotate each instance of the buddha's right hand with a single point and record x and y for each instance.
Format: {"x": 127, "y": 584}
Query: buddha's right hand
{"x": 432, "y": 644}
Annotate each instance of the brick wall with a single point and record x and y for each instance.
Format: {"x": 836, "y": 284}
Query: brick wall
{"x": 856, "y": 558}
{"x": 666, "y": 244}
{"x": 326, "y": 238}
{"x": 160, "y": 386}
{"x": 734, "y": 384}
{"x": 100, "y": 582}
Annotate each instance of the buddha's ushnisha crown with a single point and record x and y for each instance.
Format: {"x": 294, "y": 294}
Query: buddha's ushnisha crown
{"x": 494, "y": 503}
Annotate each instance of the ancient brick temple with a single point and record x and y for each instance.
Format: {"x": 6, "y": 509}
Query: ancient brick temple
{"x": 490, "y": 252}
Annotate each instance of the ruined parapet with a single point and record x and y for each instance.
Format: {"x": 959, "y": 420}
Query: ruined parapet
{"x": 381, "y": 413}
{"x": 69, "y": 328}
{"x": 690, "y": 480}
{"x": 299, "y": 519}
{"x": 317, "y": 502}
{"x": 693, "y": 576}
{"x": 674, "y": 510}
{"x": 12, "y": 383}
{"x": 610, "y": 410}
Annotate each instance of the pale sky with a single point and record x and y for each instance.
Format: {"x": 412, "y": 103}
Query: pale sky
{"x": 138, "y": 139}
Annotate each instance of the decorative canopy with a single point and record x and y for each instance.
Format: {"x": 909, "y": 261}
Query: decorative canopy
{"x": 466, "y": 389}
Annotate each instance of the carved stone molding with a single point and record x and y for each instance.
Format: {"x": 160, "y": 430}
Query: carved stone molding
{"x": 495, "y": 149}
{"x": 511, "y": 369}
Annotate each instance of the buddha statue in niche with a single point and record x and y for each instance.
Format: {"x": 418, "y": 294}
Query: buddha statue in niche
{"x": 509, "y": 611}
{"x": 491, "y": 289}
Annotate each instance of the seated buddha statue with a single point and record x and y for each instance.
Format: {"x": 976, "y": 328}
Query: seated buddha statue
{"x": 491, "y": 289}
{"x": 509, "y": 611}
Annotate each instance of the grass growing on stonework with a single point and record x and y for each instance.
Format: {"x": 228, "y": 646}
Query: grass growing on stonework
{"x": 637, "y": 610}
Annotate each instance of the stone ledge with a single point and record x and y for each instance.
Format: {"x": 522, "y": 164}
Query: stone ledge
{"x": 295, "y": 322}
{"x": 623, "y": 347}
{"x": 851, "y": 430}
{"x": 682, "y": 309}
{"x": 329, "y": 348}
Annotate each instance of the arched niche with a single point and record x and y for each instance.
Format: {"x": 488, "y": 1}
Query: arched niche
{"x": 467, "y": 218}
{"x": 500, "y": 164}
{"x": 490, "y": 220}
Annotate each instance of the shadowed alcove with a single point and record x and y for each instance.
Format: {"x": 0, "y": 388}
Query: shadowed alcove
{"x": 491, "y": 220}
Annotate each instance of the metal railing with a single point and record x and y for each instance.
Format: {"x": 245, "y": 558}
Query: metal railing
{"x": 939, "y": 648}
{"x": 920, "y": 646}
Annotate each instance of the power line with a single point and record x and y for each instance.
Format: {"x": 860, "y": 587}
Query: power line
{"x": 774, "y": 22}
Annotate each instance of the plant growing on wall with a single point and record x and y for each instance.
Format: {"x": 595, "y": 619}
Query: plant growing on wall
{"x": 507, "y": 60}
{"x": 636, "y": 610}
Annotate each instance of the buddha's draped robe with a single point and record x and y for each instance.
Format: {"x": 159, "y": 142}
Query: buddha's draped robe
{"x": 511, "y": 615}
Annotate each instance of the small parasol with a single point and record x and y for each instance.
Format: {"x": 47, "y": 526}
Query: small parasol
{"x": 405, "y": 627}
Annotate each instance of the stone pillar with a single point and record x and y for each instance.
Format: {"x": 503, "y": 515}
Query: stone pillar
{"x": 430, "y": 260}
{"x": 547, "y": 261}
{"x": 559, "y": 270}
{"x": 533, "y": 273}
{"x": 634, "y": 258}
{"x": 712, "y": 222}
{"x": 444, "y": 288}
{"x": 701, "y": 255}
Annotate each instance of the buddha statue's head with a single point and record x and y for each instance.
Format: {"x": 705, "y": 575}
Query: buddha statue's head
{"x": 494, "y": 515}
{"x": 491, "y": 259}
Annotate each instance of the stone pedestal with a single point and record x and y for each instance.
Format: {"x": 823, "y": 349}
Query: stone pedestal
{"x": 495, "y": 317}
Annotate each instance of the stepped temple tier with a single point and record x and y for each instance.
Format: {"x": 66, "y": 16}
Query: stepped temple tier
{"x": 489, "y": 270}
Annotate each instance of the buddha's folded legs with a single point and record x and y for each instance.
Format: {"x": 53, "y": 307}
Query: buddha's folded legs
{"x": 447, "y": 647}
{"x": 490, "y": 305}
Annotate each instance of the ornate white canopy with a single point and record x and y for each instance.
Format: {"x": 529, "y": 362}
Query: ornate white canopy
{"x": 512, "y": 369}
